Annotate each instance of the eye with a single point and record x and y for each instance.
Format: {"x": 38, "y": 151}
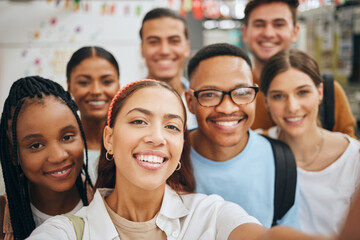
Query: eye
{"x": 173, "y": 127}
{"x": 303, "y": 92}
{"x": 208, "y": 94}
{"x": 277, "y": 96}
{"x": 83, "y": 82}
{"x": 138, "y": 122}
{"x": 175, "y": 40}
{"x": 68, "y": 138}
{"x": 108, "y": 81}
{"x": 36, "y": 146}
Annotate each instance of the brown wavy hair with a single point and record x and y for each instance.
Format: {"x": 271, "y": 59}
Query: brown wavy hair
{"x": 182, "y": 180}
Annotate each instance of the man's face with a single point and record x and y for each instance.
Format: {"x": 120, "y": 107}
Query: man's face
{"x": 164, "y": 48}
{"x": 270, "y": 30}
{"x": 226, "y": 124}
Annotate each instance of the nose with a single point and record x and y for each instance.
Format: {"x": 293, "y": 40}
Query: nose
{"x": 227, "y": 106}
{"x": 57, "y": 153}
{"x": 293, "y": 104}
{"x": 155, "y": 135}
{"x": 268, "y": 31}
{"x": 164, "y": 48}
{"x": 95, "y": 88}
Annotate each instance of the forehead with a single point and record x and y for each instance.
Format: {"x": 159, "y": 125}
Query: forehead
{"x": 291, "y": 78}
{"x": 92, "y": 63}
{"x": 158, "y": 100}
{"x": 163, "y": 27}
{"x": 44, "y": 116}
{"x": 271, "y": 12}
{"x": 222, "y": 72}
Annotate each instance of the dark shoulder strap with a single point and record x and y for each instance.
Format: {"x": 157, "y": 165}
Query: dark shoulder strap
{"x": 2, "y": 213}
{"x": 285, "y": 178}
{"x": 327, "y": 107}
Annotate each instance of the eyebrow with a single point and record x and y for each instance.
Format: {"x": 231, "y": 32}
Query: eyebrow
{"x": 299, "y": 87}
{"x": 37, "y": 135}
{"x": 149, "y": 113}
{"x": 158, "y": 37}
{"x": 217, "y": 88}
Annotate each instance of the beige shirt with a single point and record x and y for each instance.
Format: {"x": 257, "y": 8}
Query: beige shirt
{"x": 129, "y": 230}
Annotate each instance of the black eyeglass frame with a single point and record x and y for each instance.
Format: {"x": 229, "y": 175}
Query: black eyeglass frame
{"x": 196, "y": 94}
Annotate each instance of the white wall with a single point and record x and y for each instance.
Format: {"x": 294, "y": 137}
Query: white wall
{"x": 37, "y": 37}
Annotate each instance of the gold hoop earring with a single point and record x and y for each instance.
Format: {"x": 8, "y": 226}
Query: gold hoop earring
{"x": 178, "y": 166}
{"x": 109, "y": 158}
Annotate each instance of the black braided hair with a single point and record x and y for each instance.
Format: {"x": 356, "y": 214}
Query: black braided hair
{"x": 16, "y": 183}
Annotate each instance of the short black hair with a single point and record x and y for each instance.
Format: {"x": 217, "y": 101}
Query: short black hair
{"x": 163, "y": 12}
{"x": 252, "y": 4}
{"x": 214, "y": 50}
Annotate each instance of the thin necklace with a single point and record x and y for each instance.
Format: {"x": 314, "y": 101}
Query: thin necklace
{"x": 317, "y": 149}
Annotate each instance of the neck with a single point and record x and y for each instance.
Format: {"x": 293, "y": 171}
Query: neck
{"x": 174, "y": 82}
{"x": 214, "y": 151}
{"x": 305, "y": 152}
{"x": 93, "y": 129}
{"x": 135, "y": 204}
{"x": 53, "y": 203}
{"x": 257, "y": 69}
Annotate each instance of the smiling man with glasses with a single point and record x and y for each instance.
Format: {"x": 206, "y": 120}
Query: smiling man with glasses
{"x": 228, "y": 158}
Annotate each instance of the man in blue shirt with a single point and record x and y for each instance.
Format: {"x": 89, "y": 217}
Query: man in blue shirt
{"x": 229, "y": 159}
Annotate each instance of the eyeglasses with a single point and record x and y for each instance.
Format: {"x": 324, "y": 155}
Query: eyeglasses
{"x": 214, "y": 97}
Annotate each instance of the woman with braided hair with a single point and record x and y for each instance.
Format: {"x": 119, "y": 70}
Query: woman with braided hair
{"x": 41, "y": 150}
{"x": 150, "y": 180}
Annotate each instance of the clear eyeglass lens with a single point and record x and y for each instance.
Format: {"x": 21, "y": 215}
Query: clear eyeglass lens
{"x": 209, "y": 98}
{"x": 243, "y": 95}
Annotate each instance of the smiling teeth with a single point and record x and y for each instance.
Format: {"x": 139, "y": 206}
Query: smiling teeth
{"x": 295, "y": 119}
{"x": 60, "y": 172}
{"x": 267, "y": 44}
{"x": 150, "y": 158}
{"x": 227, "y": 124}
{"x": 164, "y": 61}
{"x": 96, "y": 103}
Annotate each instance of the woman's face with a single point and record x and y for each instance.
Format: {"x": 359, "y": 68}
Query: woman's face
{"x": 147, "y": 138}
{"x": 50, "y": 145}
{"x": 293, "y": 101}
{"x": 93, "y": 83}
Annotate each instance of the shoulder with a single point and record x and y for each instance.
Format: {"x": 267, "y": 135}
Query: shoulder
{"x": 214, "y": 206}
{"x": 58, "y": 227}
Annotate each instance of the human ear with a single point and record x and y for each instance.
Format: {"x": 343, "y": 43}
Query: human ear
{"x": 189, "y": 101}
{"x": 320, "y": 89}
{"x": 295, "y": 33}
{"x": 108, "y": 139}
{"x": 187, "y": 49}
{"x": 244, "y": 34}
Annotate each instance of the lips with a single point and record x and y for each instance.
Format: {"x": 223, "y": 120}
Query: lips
{"x": 294, "y": 120}
{"x": 267, "y": 44}
{"x": 60, "y": 173}
{"x": 151, "y": 160}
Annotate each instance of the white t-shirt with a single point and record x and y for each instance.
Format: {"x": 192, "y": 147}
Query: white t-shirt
{"x": 40, "y": 217}
{"x": 325, "y": 195}
{"x": 93, "y": 164}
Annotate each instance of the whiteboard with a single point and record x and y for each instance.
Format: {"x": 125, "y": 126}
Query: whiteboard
{"x": 37, "y": 37}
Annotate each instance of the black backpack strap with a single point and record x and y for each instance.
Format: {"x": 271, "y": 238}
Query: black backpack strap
{"x": 285, "y": 178}
{"x": 327, "y": 107}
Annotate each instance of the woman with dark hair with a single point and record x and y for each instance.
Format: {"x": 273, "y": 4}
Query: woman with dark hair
{"x": 93, "y": 79}
{"x": 151, "y": 176}
{"x": 41, "y": 150}
{"x": 328, "y": 163}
